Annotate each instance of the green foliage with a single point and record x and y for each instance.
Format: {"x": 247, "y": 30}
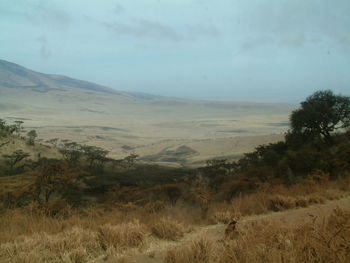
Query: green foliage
{"x": 18, "y": 127}
{"x": 52, "y": 177}
{"x": 6, "y": 130}
{"x": 15, "y": 158}
{"x": 71, "y": 152}
{"x": 31, "y": 136}
{"x": 96, "y": 156}
{"x": 321, "y": 114}
{"x": 130, "y": 160}
{"x": 310, "y": 145}
{"x": 3, "y": 128}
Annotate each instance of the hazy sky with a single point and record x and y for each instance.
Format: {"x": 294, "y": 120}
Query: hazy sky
{"x": 256, "y": 50}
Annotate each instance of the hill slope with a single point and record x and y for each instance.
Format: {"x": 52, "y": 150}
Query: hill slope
{"x": 122, "y": 122}
{"x": 15, "y": 76}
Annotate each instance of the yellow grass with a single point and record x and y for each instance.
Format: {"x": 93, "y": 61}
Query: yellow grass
{"x": 29, "y": 234}
{"x": 168, "y": 228}
{"x": 326, "y": 240}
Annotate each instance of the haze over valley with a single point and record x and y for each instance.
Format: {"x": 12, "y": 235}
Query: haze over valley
{"x": 164, "y": 130}
{"x": 174, "y": 131}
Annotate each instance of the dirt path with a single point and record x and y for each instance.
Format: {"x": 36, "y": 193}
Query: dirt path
{"x": 157, "y": 248}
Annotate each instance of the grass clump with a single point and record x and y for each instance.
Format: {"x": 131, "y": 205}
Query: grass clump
{"x": 74, "y": 245}
{"x": 319, "y": 240}
{"x": 279, "y": 203}
{"x": 199, "y": 251}
{"x": 168, "y": 228}
{"x": 123, "y": 235}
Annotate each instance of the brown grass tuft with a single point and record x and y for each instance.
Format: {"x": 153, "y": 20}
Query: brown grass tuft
{"x": 326, "y": 240}
{"x": 279, "y": 203}
{"x": 131, "y": 234}
{"x": 200, "y": 251}
{"x": 168, "y": 228}
{"x": 74, "y": 245}
{"x": 223, "y": 217}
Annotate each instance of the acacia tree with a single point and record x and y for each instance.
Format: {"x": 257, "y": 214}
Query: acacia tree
{"x": 15, "y": 158}
{"x": 96, "y": 156}
{"x": 31, "y": 137}
{"x": 18, "y": 127}
{"x": 71, "y": 152}
{"x": 3, "y": 128}
{"x": 130, "y": 160}
{"x": 321, "y": 114}
{"x": 52, "y": 178}
{"x": 6, "y": 130}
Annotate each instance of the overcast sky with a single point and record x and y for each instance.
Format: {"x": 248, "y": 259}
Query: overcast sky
{"x": 250, "y": 50}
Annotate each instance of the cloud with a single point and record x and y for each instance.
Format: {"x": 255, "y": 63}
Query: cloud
{"x": 118, "y": 8}
{"x": 144, "y": 28}
{"x": 297, "y": 23}
{"x": 196, "y": 31}
{"x": 44, "y": 47}
{"x": 47, "y": 16}
{"x": 255, "y": 42}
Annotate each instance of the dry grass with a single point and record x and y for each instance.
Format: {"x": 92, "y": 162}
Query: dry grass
{"x": 76, "y": 244}
{"x": 199, "y": 251}
{"x": 155, "y": 207}
{"x": 168, "y": 228}
{"x": 223, "y": 217}
{"x": 280, "y": 202}
{"x": 271, "y": 197}
{"x": 326, "y": 240}
{"x": 30, "y": 235}
{"x": 123, "y": 235}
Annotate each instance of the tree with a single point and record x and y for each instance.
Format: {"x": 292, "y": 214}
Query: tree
{"x": 5, "y": 129}
{"x": 53, "y": 177}
{"x": 15, "y": 157}
{"x": 71, "y": 152}
{"x": 31, "y": 137}
{"x": 130, "y": 160}
{"x": 320, "y": 114}
{"x": 18, "y": 127}
{"x": 96, "y": 156}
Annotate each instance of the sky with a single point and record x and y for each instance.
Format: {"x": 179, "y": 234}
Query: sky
{"x": 240, "y": 50}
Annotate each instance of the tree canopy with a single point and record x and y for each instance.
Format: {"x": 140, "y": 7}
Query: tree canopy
{"x": 321, "y": 114}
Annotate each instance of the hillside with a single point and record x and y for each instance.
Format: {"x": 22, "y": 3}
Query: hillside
{"x": 69, "y": 202}
{"x": 124, "y": 123}
{"x": 14, "y": 76}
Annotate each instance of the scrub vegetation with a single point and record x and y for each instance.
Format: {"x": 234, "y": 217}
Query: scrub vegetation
{"x": 83, "y": 205}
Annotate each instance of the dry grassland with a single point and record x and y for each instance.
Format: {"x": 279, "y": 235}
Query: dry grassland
{"x": 29, "y": 235}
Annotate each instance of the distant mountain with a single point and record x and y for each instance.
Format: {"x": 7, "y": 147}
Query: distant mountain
{"x": 15, "y": 76}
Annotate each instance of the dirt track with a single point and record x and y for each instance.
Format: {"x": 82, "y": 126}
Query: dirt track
{"x": 159, "y": 247}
